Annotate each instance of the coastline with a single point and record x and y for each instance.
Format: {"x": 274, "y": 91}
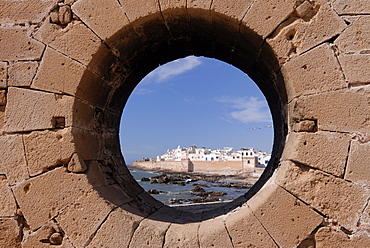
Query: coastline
{"x": 251, "y": 177}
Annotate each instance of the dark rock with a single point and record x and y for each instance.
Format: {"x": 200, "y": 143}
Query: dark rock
{"x": 145, "y": 179}
{"x": 216, "y": 193}
{"x": 155, "y": 192}
{"x": 198, "y": 189}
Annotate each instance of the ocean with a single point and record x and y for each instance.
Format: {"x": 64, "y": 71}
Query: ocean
{"x": 173, "y": 191}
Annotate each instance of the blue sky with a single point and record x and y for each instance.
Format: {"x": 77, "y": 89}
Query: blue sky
{"x": 194, "y": 101}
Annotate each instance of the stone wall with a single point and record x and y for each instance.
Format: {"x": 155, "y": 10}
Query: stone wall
{"x": 68, "y": 67}
{"x": 195, "y": 166}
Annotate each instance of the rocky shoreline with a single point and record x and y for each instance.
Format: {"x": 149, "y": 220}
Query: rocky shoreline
{"x": 240, "y": 181}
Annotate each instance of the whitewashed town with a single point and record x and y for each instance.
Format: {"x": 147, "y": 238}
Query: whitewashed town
{"x": 194, "y": 153}
{"x": 203, "y": 159}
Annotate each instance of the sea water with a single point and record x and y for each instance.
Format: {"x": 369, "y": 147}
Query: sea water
{"x": 174, "y": 191}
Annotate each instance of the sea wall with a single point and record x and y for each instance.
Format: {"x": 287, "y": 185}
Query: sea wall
{"x": 196, "y": 166}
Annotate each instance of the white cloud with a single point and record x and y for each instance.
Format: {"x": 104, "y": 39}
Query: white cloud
{"x": 142, "y": 91}
{"x": 172, "y": 69}
{"x": 246, "y": 110}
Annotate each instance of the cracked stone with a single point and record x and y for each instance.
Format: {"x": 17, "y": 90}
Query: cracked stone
{"x": 358, "y": 169}
{"x": 30, "y": 11}
{"x": 351, "y": 6}
{"x": 251, "y": 235}
{"x": 315, "y": 149}
{"x": 151, "y": 231}
{"x": 213, "y": 233}
{"x": 334, "y": 197}
{"x": 22, "y": 73}
{"x": 2, "y": 97}
{"x": 303, "y": 75}
{"x": 289, "y": 215}
{"x": 100, "y": 19}
{"x": 359, "y": 28}
{"x": 13, "y": 160}
{"x": 77, "y": 164}
{"x": 123, "y": 218}
{"x": 340, "y": 110}
{"x": 3, "y": 74}
{"x": 8, "y": 205}
{"x": 296, "y": 36}
{"x": 10, "y": 234}
{"x": 355, "y": 68}
{"x": 328, "y": 237}
{"x": 25, "y": 48}
{"x": 41, "y": 198}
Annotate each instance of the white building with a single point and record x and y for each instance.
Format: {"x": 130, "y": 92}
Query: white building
{"x": 203, "y": 154}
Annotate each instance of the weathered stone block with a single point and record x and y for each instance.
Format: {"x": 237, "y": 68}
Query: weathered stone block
{"x": 213, "y": 233}
{"x": 44, "y": 197}
{"x": 358, "y": 166}
{"x": 199, "y": 4}
{"x": 316, "y": 150}
{"x": 10, "y": 233}
{"x": 233, "y": 9}
{"x": 300, "y": 33}
{"x": 22, "y": 73}
{"x": 170, "y": 4}
{"x": 21, "y": 115}
{"x": 151, "y": 231}
{"x": 95, "y": 174}
{"x": 25, "y": 48}
{"x": 76, "y": 41}
{"x": 8, "y": 205}
{"x": 358, "y": 30}
{"x": 364, "y": 222}
{"x": 2, "y": 117}
{"x": 328, "y": 237}
{"x": 336, "y": 198}
{"x": 71, "y": 77}
{"x": 3, "y": 74}
{"x": 283, "y": 214}
{"x": 47, "y": 149}
{"x": 123, "y": 218}
{"x": 97, "y": 15}
{"x": 83, "y": 217}
{"x": 2, "y": 97}
{"x": 12, "y": 159}
{"x": 44, "y": 236}
{"x": 303, "y": 75}
{"x": 351, "y": 6}
{"x": 21, "y": 12}
{"x": 182, "y": 235}
{"x": 246, "y": 231}
{"x": 271, "y": 13}
{"x": 340, "y": 110}
{"x": 136, "y": 9}
{"x": 355, "y": 68}
{"x": 77, "y": 163}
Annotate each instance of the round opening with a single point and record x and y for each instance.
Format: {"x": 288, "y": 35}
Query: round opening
{"x": 146, "y": 43}
{"x": 196, "y": 131}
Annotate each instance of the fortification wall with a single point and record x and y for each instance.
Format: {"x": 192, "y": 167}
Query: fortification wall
{"x": 192, "y": 166}
{"x": 68, "y": 67}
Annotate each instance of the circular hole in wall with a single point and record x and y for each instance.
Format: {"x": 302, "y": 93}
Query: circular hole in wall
{"x": 196, "y": 131}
